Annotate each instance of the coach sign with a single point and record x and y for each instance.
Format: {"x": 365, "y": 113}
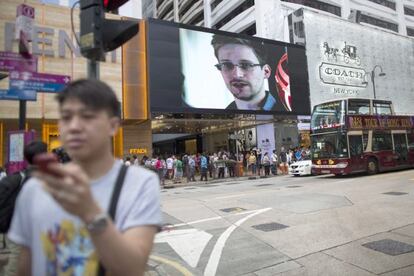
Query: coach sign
{"x": 342, "y": 75}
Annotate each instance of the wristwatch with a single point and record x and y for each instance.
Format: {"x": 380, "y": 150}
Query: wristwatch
{"x": 98, "y": 224}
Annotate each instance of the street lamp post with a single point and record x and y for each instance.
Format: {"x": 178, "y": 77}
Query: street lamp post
{"x": 372, "y": 73}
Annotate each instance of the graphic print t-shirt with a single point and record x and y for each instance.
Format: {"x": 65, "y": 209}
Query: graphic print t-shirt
{"x": 59, "y": 242}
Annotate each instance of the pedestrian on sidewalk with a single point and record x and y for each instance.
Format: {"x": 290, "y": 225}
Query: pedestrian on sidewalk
{"x": 159, "y": 167}
{"x": 186, "y": 167}
{"x": 259, "y": 157}
{"x": 252, "y": 162}
{"x": 127, "y": 161}
{"x": 61, "y": 218}
{"x": 204, "y": 167}
{"x": 15, "y": 183}
{"x": 135, "y": 160}
{"x": 274, "y": 160}
{"x": 266, "y": 164}
{"x": 220, "y": 165}
{"x": 231, "y": 164}
{"x": 283, "y": 161}
{"x": 191, "y": 166}
{"x": 178, "y": 170}
{"x": 210, "y": 161}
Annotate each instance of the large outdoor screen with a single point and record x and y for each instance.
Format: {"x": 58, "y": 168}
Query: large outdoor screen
{"x": 197, "y": 70}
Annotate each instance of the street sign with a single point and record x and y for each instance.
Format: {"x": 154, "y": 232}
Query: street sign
{"x": 38, "y": 81}
{"x": 24, "y": 21}
{"x": 15, "y": 95}
{"x": 10, "y": 61}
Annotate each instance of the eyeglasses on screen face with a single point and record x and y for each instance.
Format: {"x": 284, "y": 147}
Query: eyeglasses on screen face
{"x": 229, "y": 66}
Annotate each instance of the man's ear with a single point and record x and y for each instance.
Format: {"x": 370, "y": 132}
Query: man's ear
{"x": 267, "y": 70}
{"x": 114, "y": 125}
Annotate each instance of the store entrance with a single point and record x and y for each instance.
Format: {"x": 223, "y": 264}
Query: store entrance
{"x": 190, "y": 133}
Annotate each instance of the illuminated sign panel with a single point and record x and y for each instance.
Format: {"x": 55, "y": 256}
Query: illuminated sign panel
{"x": 380, "y": 122}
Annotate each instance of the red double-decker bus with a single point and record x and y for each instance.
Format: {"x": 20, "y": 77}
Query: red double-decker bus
{"x": 360, "y": 135}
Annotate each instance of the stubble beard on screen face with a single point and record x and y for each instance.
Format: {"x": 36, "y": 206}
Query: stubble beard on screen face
{"x": 243, "y": 90}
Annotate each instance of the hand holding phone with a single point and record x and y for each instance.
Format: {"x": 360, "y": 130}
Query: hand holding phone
{"x": 44, "y": 160}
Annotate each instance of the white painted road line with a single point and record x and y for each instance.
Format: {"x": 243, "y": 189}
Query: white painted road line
{"x": 230, "y": 196}
{"x": 187, "y": 243}
{"x": 210, "y": 219}
{"x": 215, "y": 255}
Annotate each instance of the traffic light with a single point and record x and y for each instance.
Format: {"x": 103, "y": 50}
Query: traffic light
{"x": 99, "y": 35}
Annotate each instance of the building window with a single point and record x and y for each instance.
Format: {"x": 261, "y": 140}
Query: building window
{"x": 318, "y": 5}
{"x": 408, "y": 11}
{"x": 410, "y": 32}
{"x": 379, "y": 22}
{"x": 159, "y": 2}
{"x": 241, "y": 8}
{"x": 166, "y": 10}
{"x": 183, "y": 11}
{"x": 251, "y": 30}
{"x": 196, "y": 19}
{"x": 214, "y": 4}
{"x": 385, "y": 3}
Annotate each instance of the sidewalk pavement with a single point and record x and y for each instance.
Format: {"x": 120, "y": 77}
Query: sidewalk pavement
{"x": 169, "y": 184}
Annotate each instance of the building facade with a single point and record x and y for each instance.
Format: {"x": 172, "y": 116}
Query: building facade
{"x": 241, "y": 15}
{"x": 54, "y": 46}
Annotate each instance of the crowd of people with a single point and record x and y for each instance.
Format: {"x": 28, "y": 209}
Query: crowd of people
{"x": 220, "y": 164}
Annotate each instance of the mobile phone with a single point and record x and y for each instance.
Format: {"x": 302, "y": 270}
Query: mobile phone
{"x": 43, "y": 160}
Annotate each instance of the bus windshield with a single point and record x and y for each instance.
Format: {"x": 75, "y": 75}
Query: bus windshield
{"x": 329, "y": 146}
{"x": 328, "y": 115}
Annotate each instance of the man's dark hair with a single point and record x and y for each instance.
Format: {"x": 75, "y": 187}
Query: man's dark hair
{"x": 33, "y": 148}
{"x": 95, "y": 94}
{"x": 219, "y": 41}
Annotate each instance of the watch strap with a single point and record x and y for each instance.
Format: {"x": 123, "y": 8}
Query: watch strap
{"x": 98, "y": 224}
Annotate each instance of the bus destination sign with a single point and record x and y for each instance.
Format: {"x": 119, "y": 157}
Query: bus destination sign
{"x": 380, "y": 122}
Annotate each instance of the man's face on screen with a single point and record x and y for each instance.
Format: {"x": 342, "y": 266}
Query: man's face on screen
{"x": 241, "y": 71}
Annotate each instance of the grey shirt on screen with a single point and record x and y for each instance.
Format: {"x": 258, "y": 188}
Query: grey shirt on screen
{"x": 59, "y": 241}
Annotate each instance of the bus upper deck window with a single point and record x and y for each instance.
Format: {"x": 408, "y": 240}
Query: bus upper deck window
{"x": 358, "y": 107}
{"x": 382, "y": 108}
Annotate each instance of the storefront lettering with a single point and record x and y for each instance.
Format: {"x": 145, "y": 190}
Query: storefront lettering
{"x": 335, "y": 74}
{"x": 345, "y": 91}
{"x": 138, "y": 151}
{"x": 343, "y": 73}
{"x": 42, "y": 42}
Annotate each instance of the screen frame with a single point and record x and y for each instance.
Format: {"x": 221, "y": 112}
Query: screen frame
{"x": 193, "y": 110}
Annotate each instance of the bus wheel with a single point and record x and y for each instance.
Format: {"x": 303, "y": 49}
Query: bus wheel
{"x": 372, "y": 166}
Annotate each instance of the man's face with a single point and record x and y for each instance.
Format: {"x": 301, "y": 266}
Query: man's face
{"x": 243, "y": 84}
{"x": 85, "y": 132}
